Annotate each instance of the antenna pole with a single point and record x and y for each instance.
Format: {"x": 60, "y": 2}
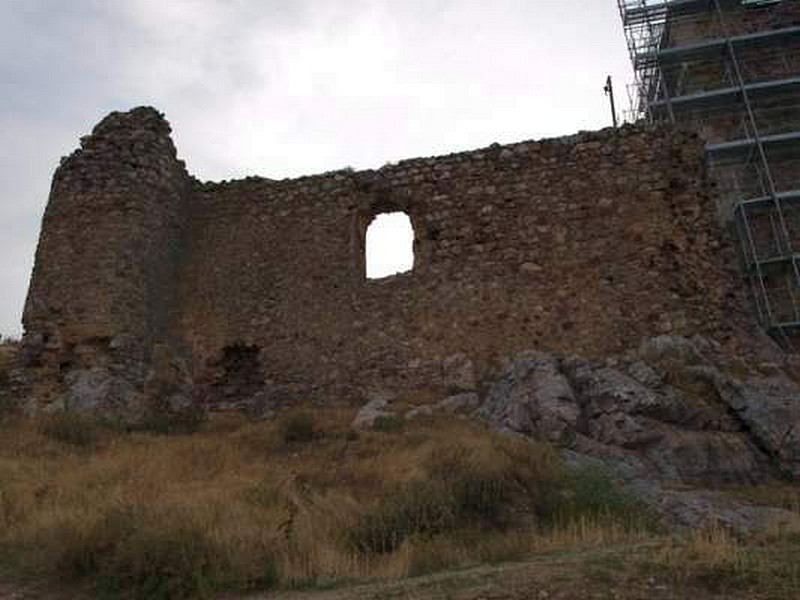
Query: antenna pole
{"x": 609, "y": 90}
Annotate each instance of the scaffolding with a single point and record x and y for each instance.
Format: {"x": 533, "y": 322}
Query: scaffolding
{"x": 730, "y": 70}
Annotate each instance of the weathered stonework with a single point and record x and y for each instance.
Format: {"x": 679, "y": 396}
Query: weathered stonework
{"x": 253, "y": 292}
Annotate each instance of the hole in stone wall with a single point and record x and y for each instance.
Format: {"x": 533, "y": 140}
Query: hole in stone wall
{"x": 389, "y": 245}
{"x": 239, "y": 373}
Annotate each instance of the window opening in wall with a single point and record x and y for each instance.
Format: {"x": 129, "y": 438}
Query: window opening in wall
{"x": 390, "y": 245}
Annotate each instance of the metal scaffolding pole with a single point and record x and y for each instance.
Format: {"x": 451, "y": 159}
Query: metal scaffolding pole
{"x": 675, "y": 45}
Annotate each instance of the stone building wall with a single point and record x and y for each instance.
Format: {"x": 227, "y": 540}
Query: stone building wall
{"x": 257, "y": 287}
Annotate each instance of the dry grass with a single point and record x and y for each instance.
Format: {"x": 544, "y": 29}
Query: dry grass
{"x": 780, "y": 495}
{"x": 250, "y": 506}
{"x": 716, "y": 560}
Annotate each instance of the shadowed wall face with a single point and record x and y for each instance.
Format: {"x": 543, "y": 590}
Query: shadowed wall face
{"x": 108, "y": 253}
{"x": 580, "y": 245}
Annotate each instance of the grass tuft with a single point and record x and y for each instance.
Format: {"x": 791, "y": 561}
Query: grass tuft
{"x": 592, "y": 494}
{"x": 388, "y": 424}
{"x": 72, "y": 429}
{"x": 297, "y": 427}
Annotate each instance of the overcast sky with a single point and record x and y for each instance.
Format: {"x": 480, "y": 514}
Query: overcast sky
{"x": 281, "y": 88}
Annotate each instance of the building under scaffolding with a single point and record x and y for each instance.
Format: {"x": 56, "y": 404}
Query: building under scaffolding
{"x": 730, "y": 69}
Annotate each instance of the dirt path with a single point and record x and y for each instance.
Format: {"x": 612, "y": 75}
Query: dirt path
{"x": 600, "y": 574}
{"x": 591, "y": 575}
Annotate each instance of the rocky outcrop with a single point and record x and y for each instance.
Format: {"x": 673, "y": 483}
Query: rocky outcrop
{"x": 671, "y": 420}
{"x": 670, "y": 413}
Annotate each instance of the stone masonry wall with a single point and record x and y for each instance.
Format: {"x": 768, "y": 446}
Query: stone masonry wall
{"x": 581, "y": 245}
{"x": 102, "y": 289}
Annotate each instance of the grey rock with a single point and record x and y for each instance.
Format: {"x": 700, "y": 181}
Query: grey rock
{"x": 769, "y": 409}
{"x": 603, "y": 390}
{"x": 467, "y": 401}
{"x": 168, "y": 386}
{"x": 532, "y": 397}
{"x": 458, "y": 373}
{"x": 177, "y": 403}
{"x": 625, "y": 464}
{"x": 693, "y": 509}
{"x": 681, "y": 420}
{"x": 100, "y": 393}
{"x": 708, "y": 457}
{"x": 419, "y": 412}
{"x": 666, "y": 353}
{"x": 373, "y": 410}
{"x": 265, "y": 403}
{"x": 644, "y": 374}
{"x": 623, "y": 430}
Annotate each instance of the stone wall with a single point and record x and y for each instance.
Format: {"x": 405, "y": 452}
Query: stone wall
{"x": 257, "y": 287}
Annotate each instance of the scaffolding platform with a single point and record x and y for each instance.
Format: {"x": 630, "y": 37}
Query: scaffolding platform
{"x": 730, "y": 69}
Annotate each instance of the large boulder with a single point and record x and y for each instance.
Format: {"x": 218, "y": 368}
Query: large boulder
{"x": 670, "y": 413}
{"x": 669, "y": 420}
{"x": 768, "y": 408}
{"x": 535, "y": 398}
{"x": 97, "y": 392}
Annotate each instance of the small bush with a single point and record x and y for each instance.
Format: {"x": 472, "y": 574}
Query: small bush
{"x": 76, "y": 430}
{"x": 78, "y": 548}
{"x": 297, "y": 427}
{"x": 485, "y": 487}
{"x": 592, "y": 494}
{"x": 165, "y": 562}
{"x": 509, "y": 476}
{"x": 418, "y": 508}
{"x": 134, "y": 553}
{"x": 388, "y": 424}
{"x": 166, "y": 424}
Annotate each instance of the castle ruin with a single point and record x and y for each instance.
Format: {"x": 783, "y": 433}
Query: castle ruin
{"x": 253, "y": 293}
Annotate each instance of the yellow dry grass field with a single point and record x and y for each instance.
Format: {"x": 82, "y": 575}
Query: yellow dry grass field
{"x": 306, "y": 502}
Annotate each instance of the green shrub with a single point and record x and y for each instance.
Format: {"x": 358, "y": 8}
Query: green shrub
{"x": 419, "y": 507}
{"x": 491, "y": 484}
{"x": 69, "y": 428}
{"x": 160, "y": 423}
{"x": 591, "y": 493}
{"x": 388, "y": 424}
{"x": 489, "y": 487}
{"x": 297, "y": 427}
{"x": 135, "y": 554}
{"x": 78, "y": 549}
{"x": 165, "y": 562}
